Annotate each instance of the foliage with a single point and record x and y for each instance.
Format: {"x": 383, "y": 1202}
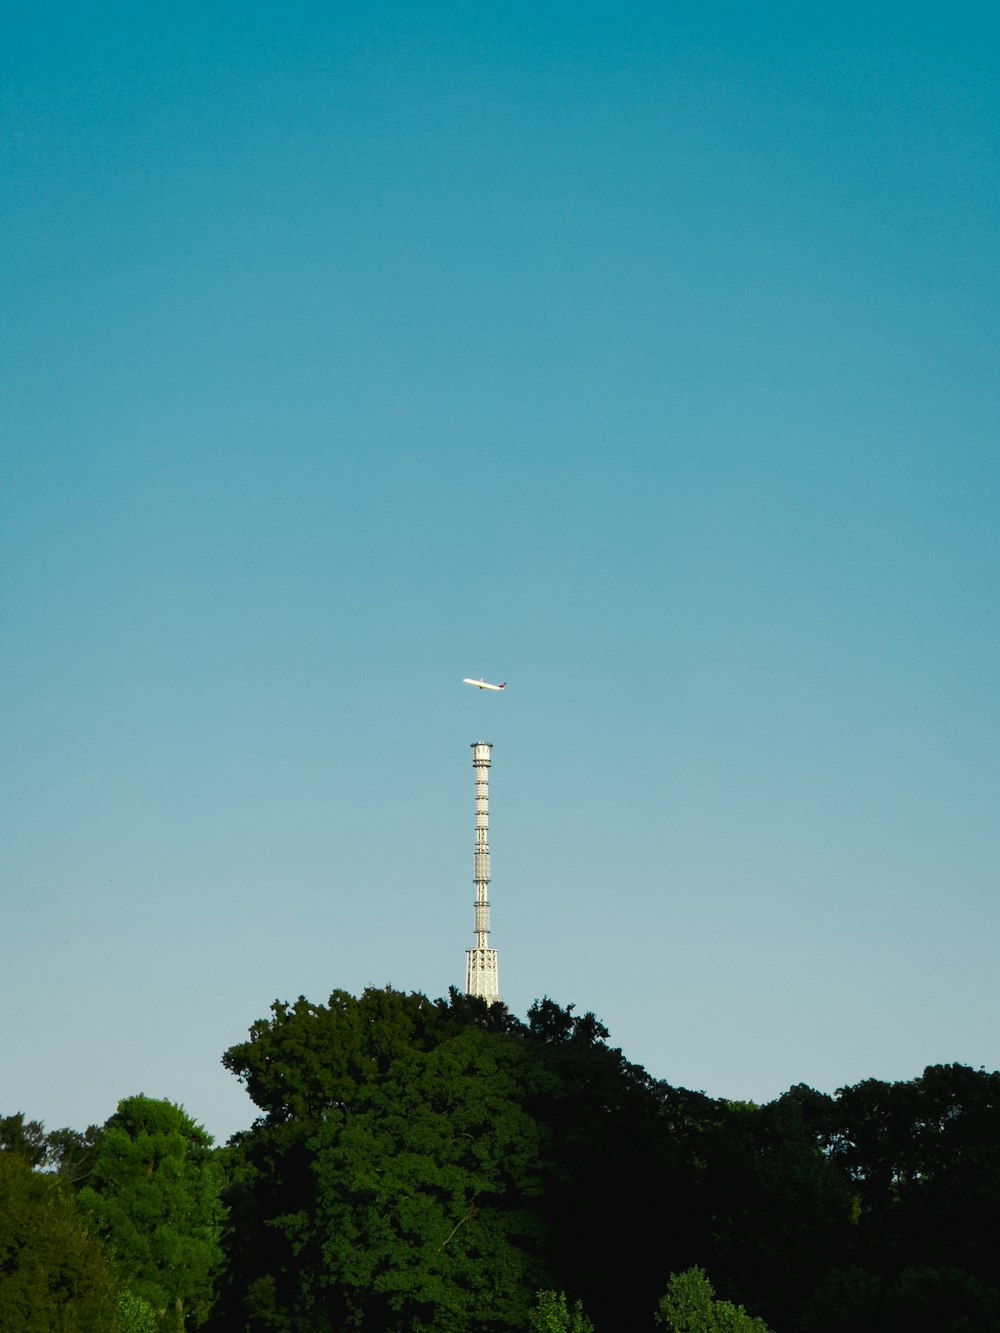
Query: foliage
{"x": 342, "y": 1193}
{"x": 920, "y": 1300}
{"x": 553, "y": 1314}
{"x": 25, "y": 1138}
{"x": 462, "y": 1011}
{"x": 942, "y": 1300}
{"x": 304, "y": 1065}
{"x": 65, "y": 1151}
{"x": 689, "y": 1306}
{"x": 152, "y": 1195}
{"x": 71, "y": 1153}
{"x": 441, "y": 1166}
{"x": 302, "y": 1062}
{"x": 608, "y": 1172}
{"x": 53, "y": 1276}
{"x": 308, "y": 1057}
{"x": 420, "y": 1205}
{"x": 923, "y": 1158}
{"x": 135, "y": 1315}
{"x": 848, "y": 1300}
{"x": 779, "y": 1213}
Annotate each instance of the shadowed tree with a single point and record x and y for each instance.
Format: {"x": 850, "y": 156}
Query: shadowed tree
{"x": 604, "y": 1199}
{"x": 53, "y": 1276}
{"x": 66, "y": 1151}
{"x": 25, "y": 1138}
{"x": 923, "y": 1158}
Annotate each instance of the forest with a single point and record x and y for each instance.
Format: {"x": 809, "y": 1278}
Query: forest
{"x": 441, "y": 1166}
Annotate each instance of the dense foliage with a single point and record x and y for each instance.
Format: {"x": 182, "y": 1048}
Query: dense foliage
{"x": 115, "y": 1230}
{"x": 152, "y": 1193}
{"x": 53, "y": 1276}
{"x": 442, "y": 1167}
{"x": 552, "y": 1313}
{"x": 689, "y": 1306}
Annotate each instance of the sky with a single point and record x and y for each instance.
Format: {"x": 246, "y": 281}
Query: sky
{"x": 641, "y": 355}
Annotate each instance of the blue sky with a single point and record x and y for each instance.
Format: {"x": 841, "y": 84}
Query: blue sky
{"x": 642, "y": 356}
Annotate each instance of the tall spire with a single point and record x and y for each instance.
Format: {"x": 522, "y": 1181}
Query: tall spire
{"x": 481, "y": 962}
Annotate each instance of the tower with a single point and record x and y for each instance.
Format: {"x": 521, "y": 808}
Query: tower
{"x": 481, "y": 962}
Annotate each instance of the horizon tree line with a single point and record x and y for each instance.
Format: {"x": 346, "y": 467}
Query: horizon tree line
{"x": 441, "y": 1166}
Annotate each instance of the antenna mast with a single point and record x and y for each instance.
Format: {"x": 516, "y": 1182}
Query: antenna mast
{"x": 481, "y": 962}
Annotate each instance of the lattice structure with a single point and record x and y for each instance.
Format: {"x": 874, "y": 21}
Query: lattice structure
{"x": 481, "y": 962}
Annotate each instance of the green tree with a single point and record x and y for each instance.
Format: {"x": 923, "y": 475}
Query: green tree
{"x": 25, "y": 1138}
{"x": 421, "y": 1216}
{"x": 65, "y": 1151}
{"x": 552, "y": 1313}
{"x": 298, "y": 1064}
{"x": 304, "y": 1062}
{"x": 152, "y": 1194}
{"x": 689, "y": 1306}
{"x": 308, "y": 1057}
{"x": 53, "y": 1276}
{"x": 134, "y": 1314}
{"x": 70, "y": 1153}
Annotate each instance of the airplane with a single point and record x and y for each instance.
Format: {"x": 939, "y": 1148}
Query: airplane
{"x": 481, "y": 684}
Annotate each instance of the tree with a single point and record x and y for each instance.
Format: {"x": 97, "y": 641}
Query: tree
{"x": 421, "y": 1220}
{"x": 606, "y": 1182}
{"x": 847, "y": 1300}
{"x": 781, "y": 1213}
{"x": 921, "y": 1300}
{"x": 65, "y": 1151}
{"x": 553, "y": 1314}
{"x": 302, "y": 1062}
{"x": 689, "y": 1306}
{"x": 153, "y": 1196}
{"x": 942, "y": 1300}
{"x": 923, "y": 1160}
{"x": 134, "y": 1314}
{"x": 71, "y": 1153}
{"x": 53, "y": 1276}
{"x": 308, "y": 1057}
{"x": 25, "y": 1138}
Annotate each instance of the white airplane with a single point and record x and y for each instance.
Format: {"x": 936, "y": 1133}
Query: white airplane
{"x": 481, "y": 684}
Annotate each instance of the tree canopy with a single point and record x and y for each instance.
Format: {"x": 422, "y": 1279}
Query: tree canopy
{"x": 53, "y": 1276}
{"x": 689, "y": 1306}
{"x": 152, "y": 1194}
{"x": 443, "y": 1167}
{"x": 422, "y": 1194}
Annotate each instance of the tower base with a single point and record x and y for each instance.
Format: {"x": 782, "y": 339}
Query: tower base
{"x": 481, "y": 974}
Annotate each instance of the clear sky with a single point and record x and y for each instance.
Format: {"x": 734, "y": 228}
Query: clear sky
{"x": 641, "y": 355}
